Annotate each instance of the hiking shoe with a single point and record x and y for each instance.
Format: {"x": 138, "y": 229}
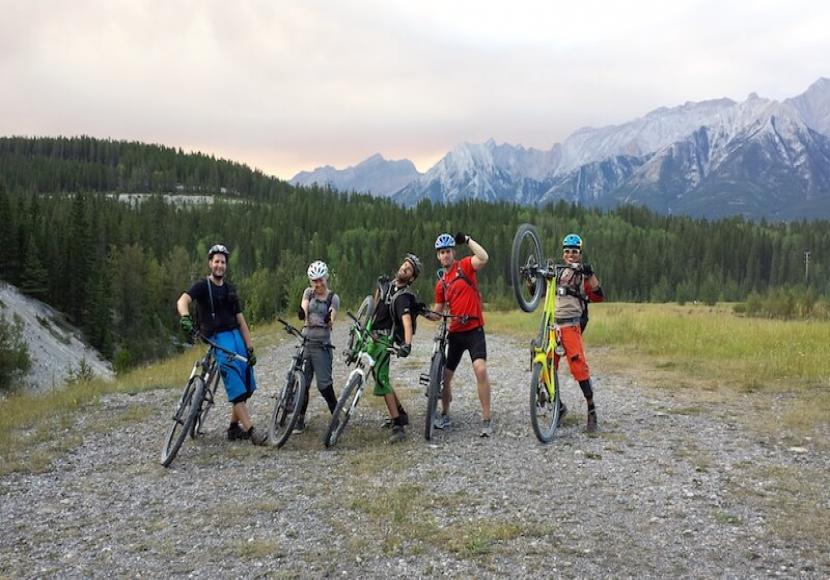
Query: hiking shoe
{"x": 256, "y": 437}
{"x": 563, "y": 410}
{"x": 592, "y": 421}
{"x": 389, "y": 421}
{"x": 299, "y": 427}
{"x": 235, "y": 432}
{"x": 398, "y": 434}
{"x": 442, "y": 422}
{"x": 487, "y": 428}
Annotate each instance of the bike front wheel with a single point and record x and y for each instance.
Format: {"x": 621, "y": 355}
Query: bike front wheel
{"x": 544, "y": 409}
{"x": 287, "y": 409}
{"x": 343, "y": 411}
{"x": 197, "y": 428}
{"x": 364, "y": 314}
{"x": 184, "y": 417}
{"x": 436, "y": 381}
{"x": 525, "y": 259}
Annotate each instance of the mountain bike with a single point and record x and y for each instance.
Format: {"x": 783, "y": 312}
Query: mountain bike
{"x": 196, "y": 401}
{"x": 530, "y": 275}
{"x": 434, "y": 380}
{"x": 361, "y": 337}
{"x": 289, "y": 401}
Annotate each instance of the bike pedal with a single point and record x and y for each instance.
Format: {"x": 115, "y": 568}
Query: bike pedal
{"x": 424, "y": 379}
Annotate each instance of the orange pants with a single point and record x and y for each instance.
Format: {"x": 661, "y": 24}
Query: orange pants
{"x": 574, "y": 353}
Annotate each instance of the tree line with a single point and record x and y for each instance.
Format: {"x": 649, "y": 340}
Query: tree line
{"x": 116, "y": 268}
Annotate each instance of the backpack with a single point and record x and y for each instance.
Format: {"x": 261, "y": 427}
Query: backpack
{"x": 384, "y": 294}
{"x": 460, "y": 275}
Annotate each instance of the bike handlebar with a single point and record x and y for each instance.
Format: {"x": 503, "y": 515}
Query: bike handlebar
{"x": 232, "y": 354}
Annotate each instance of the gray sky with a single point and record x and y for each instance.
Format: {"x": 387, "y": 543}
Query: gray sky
{"x": 286, "y": 86}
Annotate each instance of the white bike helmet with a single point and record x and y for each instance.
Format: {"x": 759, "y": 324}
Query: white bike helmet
{"x": 317, "y": 270}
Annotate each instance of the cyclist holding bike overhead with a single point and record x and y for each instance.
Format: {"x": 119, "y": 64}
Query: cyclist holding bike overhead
{"x": 394, "y": 324}
{"x": 457, "y": 289}
{"x": 575, "y": 287}
{"x": 220, "y": 318}
{"x": 318, "y": 309}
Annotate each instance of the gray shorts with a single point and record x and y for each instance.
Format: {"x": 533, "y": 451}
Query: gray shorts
{"x": 318, "y": 361}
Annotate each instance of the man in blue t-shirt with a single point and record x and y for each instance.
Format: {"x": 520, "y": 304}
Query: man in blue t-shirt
{"x": 220, "y": 318}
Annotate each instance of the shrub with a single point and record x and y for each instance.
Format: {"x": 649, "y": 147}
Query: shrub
{"x": 14, "y": 354}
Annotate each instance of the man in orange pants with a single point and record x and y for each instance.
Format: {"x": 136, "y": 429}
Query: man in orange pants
{"x": 575, "y": 287}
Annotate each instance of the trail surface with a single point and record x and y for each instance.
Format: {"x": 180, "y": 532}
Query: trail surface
{"x": 666, "y": 488}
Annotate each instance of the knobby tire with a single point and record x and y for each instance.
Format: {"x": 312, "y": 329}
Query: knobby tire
{"x": 526, "y": 253}
{"x": 436, "y": 372}
{"x": 189, "y": 407}
{"x": 287, "y": 408}
{"x": 343, "y": 410}
{"x": 544, "y": 413}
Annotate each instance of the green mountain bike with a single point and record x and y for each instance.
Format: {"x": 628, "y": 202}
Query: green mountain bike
{"x": 530, "y": 275}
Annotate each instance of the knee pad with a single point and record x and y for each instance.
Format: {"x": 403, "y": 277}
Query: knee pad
{"x": 586, "y": 388}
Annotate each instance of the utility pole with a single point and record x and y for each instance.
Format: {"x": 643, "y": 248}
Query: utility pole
{"x": 806, "y": 265}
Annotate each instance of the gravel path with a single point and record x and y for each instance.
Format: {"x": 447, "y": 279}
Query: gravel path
{"x": 666, "y": 488}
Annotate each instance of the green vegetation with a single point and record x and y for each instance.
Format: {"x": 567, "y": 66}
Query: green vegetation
{"x": 787, "y": 304}
{"x": 710, "y": 352}
{"x": 116, "y": 269}
{"x": 14, "y": 354}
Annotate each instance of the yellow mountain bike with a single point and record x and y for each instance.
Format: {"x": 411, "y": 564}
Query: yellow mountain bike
{"x": 530, "y": 275}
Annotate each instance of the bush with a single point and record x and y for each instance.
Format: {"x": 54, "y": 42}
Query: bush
{"x": 794, "y": 303}
{"x": 14, "y": 354}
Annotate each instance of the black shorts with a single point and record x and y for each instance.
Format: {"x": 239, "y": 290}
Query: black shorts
{"x": 471, "y": 340}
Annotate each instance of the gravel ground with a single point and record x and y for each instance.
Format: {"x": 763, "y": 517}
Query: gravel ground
{"x": 667, "y": 487}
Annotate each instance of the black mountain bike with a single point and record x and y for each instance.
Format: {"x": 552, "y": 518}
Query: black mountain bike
{"x": 289, "y": 401}
{"x": 434, "y": 380}
{"x": 196, "y": 400}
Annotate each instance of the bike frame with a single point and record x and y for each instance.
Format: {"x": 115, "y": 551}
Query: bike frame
{"x": 544, "y": 353}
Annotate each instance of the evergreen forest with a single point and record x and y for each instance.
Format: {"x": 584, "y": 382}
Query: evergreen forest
{"x": 115, "y": 264}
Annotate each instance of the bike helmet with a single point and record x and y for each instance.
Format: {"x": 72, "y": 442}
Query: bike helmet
{"x": 218, "y": 249}
{"x": 572, "y": 241}
{"x": 416, "y": 263}
{"x": 444, "y": 241}
{"x": 317, "y": 270}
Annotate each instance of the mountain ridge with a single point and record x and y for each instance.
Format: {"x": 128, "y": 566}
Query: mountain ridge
{"x": 758, "y": 158}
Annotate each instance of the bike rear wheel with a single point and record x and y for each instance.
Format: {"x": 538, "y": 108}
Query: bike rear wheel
{"x": 544, "y": 411}
{"x": 343, "y": 411}
{"x": 525, "y": 257}
{"x": 287, "y": 409}
{"x": 184, "y": 417}
{"x": 436, "y": 381}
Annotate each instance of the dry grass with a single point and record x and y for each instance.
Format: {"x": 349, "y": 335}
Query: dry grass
{"x": 709, "y": 354}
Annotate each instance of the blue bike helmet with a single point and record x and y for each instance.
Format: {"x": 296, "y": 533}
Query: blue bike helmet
{"x": 572, "y": 241}
{"x": 444, "y": 241}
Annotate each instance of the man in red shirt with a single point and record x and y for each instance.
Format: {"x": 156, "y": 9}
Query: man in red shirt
{"x": 457, "y": 290}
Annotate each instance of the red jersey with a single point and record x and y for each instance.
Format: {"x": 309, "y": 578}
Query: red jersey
{"x": 461, "y": 294}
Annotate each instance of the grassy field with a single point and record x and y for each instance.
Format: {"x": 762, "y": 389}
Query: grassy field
{"x": 709, "y": 351}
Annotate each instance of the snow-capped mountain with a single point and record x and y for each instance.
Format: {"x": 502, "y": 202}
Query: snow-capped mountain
{"x": 814, "y": 106}
{"x": 374, "y": 175}
{"x": 758, "y": 158}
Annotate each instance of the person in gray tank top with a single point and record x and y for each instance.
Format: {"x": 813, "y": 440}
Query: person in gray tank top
{"x": 318, "y": 308}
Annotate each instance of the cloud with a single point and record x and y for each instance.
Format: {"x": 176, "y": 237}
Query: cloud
{"x": 288, "y": 86}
